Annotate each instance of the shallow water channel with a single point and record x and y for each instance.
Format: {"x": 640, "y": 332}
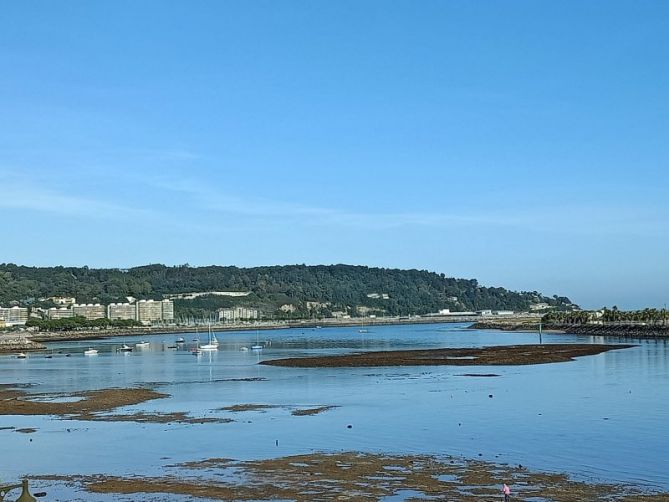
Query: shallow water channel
{"x": 599, "y": 418}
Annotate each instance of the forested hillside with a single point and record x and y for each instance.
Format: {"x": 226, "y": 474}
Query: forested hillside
{"x": 328, "y": 288}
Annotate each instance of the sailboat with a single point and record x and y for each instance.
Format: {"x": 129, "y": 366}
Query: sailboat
{"x": 257, "y": 346}
{"x": 212, "y": 343}
{"x": 362, "y": 328}
{"x": 124, "y": 348}
{"x": 91, "y": 352}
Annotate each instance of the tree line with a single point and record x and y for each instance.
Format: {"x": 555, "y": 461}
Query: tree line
{"x": 613, "y": 315}
{"x": 332, "y": 287}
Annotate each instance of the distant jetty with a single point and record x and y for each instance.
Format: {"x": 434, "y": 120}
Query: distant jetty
{"x": 625, "y": 330}
{"x": 18, "y": 343}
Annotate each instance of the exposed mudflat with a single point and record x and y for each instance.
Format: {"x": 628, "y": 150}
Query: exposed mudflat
{"x": 507, "y": 355}
{"x": 85, "y": 405}
{"x": 358, "y": 476}
{"x": 93, "y": 405}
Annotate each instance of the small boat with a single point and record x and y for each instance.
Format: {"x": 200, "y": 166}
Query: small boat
{"x": 21, "y": 355}
{"x": 124, "y": 348}
{"x": 181, "y": 340}
{"x": 244, "y": 349}
{"x": 90, "y": 352}
{"x": 172, "y": 347}
{"x": 142, "y": 344}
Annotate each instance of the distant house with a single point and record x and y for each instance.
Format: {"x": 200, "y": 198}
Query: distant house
{"x": 503, "y": 312}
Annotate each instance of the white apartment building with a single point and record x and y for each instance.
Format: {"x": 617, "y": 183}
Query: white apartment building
{"x": 149, "y": 311}
{"x": 122, "y": 311}
{"x": 59, "y": 313}
{"x": 14, "y": 316}
{"x": 168, "y": 310}
{"x": 90, "y": 311}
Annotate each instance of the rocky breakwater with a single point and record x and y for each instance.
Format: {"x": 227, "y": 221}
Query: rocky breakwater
{"x": 18, "y": 343}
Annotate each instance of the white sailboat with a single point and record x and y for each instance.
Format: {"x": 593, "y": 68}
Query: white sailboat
{"x": 257, "y": 346}
{"x": 212, "y": 343}
{"x": 90, "y": 352}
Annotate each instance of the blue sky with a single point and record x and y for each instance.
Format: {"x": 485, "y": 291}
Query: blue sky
{"x": 521, "y": 143}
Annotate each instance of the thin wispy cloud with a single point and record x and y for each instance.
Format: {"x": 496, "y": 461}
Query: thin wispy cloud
{"x": 211, "y": 199}
{"x": 24, "y": 194}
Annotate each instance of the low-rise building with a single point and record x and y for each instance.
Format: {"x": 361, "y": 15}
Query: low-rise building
{"x": 89, "y": 310}
{"x": 503, "y": 312}
{"x": 63, "y": 301}
{"x": 540, "y": 306}
{"x": 14, "y": 316}
{"x": 238, "y": 314}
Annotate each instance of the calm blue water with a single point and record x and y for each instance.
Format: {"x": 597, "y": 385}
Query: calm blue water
{"x": 602, "y": 417}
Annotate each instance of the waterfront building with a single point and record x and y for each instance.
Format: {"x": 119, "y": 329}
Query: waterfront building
{"x": 168, "y": 310}
{"x": 89, "y": 311}
{"x": 14, "y": 316}
{"x": 122, "y": 311}
{"x": 149, "y": 311}
{"x": 238, "y": 314}
{"x": 59, "y": 313}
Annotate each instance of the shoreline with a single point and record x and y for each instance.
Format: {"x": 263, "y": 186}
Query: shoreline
{"x": 39, "y": 337}
{"x": 31, "y": 341}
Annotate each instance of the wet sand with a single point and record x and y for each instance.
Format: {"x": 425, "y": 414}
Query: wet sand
{"x": 296, "y": 411}
{"x": 360, "y": 476}
{"x": 507, "y": 355}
